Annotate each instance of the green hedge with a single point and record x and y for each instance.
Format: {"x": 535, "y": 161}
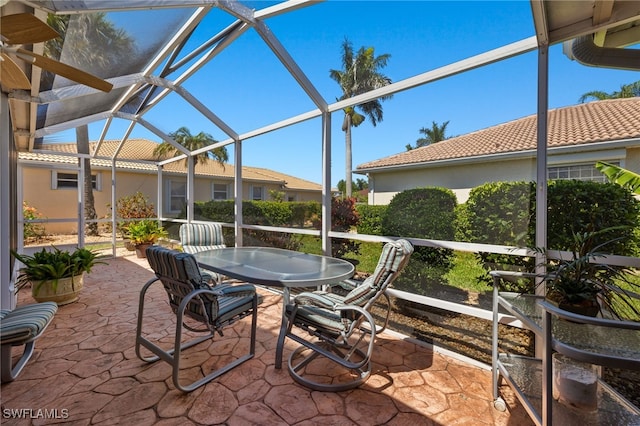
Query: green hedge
{"x": 370, "y": 219}
{"x": 504, "y": 213}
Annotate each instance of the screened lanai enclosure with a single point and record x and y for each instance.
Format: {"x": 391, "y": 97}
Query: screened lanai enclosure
{"x": 254, "y": 76}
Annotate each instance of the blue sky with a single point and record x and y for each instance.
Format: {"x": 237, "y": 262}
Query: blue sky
{"x": 249, "y": 88}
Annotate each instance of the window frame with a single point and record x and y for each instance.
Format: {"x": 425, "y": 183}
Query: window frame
{"x": 55, "y": 179}
{"x": 170, "y": 196}
{"x": 578, "y": 171}
{"x": 252, "y": 189}
{"x": 227, "y": 191}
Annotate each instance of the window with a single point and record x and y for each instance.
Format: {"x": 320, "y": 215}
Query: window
{"x": 220, "y": 191}
{"x": 177, "y": 195}
{"x": 69, "y": 180}
{"x": 257, "y": 193}
{"x": 577, "y": 172}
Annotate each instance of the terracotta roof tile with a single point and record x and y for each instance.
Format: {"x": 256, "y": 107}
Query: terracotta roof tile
{"x": 600, "y": 121}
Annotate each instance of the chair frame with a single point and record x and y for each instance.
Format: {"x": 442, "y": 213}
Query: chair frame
{"x": 9, "y": 370}
{"x": 339, "y": 348}
{"x": 350, "y": 329}
{"x": 174, "y": 355}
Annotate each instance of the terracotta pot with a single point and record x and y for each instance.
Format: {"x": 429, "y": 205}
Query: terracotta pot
{"x": 141, "y": 250}
{"x": 589, "y": 308}
{"x": 66, "y": 292}
{"x": 129, "y": 245}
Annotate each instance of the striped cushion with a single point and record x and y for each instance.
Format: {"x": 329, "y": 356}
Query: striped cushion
{"x": 395, "y": 255}
{"x": 172, "y": 263}
{"x": 25, "y": 323}
{"x": 197, "y": 237}
{"x": 180, "y": 275}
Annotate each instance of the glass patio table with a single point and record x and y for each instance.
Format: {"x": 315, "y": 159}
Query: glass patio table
{"x": 274, "y": 267}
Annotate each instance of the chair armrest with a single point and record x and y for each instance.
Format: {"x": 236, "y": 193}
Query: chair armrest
{"x": 347, "y": 284}
{"x": 240, "y": 290}
{"x": 315, "y": 299}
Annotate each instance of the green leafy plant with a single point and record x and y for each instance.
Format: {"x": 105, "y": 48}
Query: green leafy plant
{"x": 32, "y": 231}
{"x": 585, "y": 281}
{"x": 145, "y": 231}
{"x": 344, "y": 218}
{"x": 135, "y": 206}
{"x": 52, "y": 265}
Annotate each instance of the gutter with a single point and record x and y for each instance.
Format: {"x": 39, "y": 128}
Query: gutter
{"x": 584, "y": 50}
{"x": 525, "y": 154}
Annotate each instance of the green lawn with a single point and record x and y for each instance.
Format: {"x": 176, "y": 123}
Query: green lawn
{"x": 463, "y": 275}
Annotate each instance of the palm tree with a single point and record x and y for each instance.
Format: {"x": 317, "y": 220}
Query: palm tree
{"x": 192, "y": 142}
{"x": 623, "y": 177}
{"x": 434, "y": 134}
{"x": 360, "y": 74}
{"x": 103, "y": 48}
{"x": 630, "y": 90}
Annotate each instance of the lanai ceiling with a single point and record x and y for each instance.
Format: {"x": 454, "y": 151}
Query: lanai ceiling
{"x": 600, "y": 33}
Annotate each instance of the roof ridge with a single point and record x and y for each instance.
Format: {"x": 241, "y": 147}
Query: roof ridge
{"x": 597, "y": 121}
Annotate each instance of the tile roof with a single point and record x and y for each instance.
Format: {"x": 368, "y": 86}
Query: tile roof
{"x": 600, "y": 121}
{"x": 137, "y": 154}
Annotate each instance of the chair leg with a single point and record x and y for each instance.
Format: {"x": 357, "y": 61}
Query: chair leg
{"x": 177, "y": 352}
{"x": 296, "y": 369}
{"x": 10, "y": 371}
{"x": 174, "y": 355}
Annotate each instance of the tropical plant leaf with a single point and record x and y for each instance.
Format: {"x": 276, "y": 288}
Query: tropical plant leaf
{"x": 623, "y": 177}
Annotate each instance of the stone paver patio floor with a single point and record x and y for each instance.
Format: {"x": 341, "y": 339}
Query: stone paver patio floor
{"x": 85, "y": 371}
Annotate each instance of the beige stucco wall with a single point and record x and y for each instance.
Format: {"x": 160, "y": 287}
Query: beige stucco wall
{"x": 464, "y": 177}
{"x": 56, "y": 204}
{"x": 63, "y": 203}
{"x": 459, "y": 178}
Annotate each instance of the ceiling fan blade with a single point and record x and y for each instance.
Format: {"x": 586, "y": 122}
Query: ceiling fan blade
{"x": 24, "y": 28}
{"x": 11, "y": 76}
{"x": 67, "y": 71}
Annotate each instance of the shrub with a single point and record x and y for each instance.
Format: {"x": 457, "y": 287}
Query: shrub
{"x": 370, "y": 219}
{"x": 585, "y": 206}
{"x": 32, "y": 231}
{"x": 344, "y": 218}
{"x": 422, "y": 213}
{"x": 504, "y": 213}
{"x": 135, "y": 206}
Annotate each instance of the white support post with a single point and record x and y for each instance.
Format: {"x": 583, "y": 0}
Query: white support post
{"x": 81, "y": 200}
{"x": 541, "y": 156}
{"x": 190, "y": 187}
{"x": 237, "y": 192}
{"x": 114, "y": 211}
{"x": 160, "y": 202}
{"x": 8, "y": 297}
{"x": 326, "y": 183}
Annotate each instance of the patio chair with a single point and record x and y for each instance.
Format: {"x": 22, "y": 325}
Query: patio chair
{"x": 343, "y": 326}
{"x": 193, "y": 300}
{"x": 22, "y": 326}
{"x": 197, "y": 237}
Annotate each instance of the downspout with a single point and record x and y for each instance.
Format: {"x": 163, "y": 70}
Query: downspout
{"x": 585, "y": 51}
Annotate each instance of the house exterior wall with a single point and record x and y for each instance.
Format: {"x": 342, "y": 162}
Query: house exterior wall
{"x": 62, "y": 203}
{"x": 55, "y": 204}
{"x": 459, "y": 178}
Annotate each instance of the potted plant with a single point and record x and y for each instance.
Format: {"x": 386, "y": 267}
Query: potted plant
{"x": 586, "y": 285}
{"x": 56, "y": 275}
{"x": 144, "y": 233}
